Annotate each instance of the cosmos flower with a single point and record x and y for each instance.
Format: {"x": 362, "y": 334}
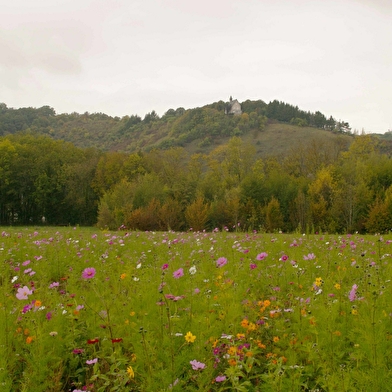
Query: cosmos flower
{"x": 196, "y": 365}
{"x": 23, "y": 293}
{"x": 221, "y": 262}
{"x": 261, "y": 256}
{"x": 88, "y": 273}
{"x": 177, "y": 274}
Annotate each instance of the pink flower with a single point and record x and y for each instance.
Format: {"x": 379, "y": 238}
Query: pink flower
{"x": 220, "y": 378}
{"x": 92, "y": 361}
{"x": 177, "y": 274}
{"x": 23, "y": 293}
{"x": 261, "y": 256}
{"x": 221, "y": 262}
{"x": 88, "y": 273}
{"x": 196, "y": 365}
{"x": 353, "y": 293}
{"x": 27, "y": 262}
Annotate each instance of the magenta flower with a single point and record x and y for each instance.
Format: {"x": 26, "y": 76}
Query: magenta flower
{"x": 221, "y": 262}
{"x": 177, "y": 274}
{"x": 253, "y": 266}
{"x": 196, "y": 365}
{"x": 23, "y": 293}
{"x": 88, "y": 273}
{"x": 261, "y": 256}
{"x": 165, "y": 266}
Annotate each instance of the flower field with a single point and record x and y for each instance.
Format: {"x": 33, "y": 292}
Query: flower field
{"x": 89, "y": 310}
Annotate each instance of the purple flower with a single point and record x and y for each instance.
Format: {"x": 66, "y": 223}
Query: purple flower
{"x": 196, "y": 365}
{"x": 353, "y": 293}
{"x": 220, "y": 378}
{"x": 177, "y": 274}
{"x": 48, "y": 316}
{"x": 88, "y": 273}
{"x": 221, "y": 262}
{"x": 261, "y": 256}
{"x": 23, "y": 293}
{"x": 26, "y": 308}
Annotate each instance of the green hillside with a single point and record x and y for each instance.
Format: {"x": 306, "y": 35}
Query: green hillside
{"x": 274, "y": 128}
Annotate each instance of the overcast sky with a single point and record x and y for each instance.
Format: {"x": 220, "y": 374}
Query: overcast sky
{"x": 124, "y": 57}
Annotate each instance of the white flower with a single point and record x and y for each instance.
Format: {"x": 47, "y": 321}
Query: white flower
{"x": 139, "y": 265}
{"x": 136, "y": 279}
{"x": 192, "y": 270}
{"x": 14, "y": 279}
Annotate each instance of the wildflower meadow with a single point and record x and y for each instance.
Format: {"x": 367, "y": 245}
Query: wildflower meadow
{"x": 89, "y": 310}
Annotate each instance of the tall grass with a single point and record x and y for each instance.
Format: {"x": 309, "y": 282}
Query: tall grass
{"x": 193, "y": 311}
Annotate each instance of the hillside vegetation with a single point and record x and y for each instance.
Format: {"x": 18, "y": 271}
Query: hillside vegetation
{"x": 198, "y": 130}
{"x": 273, "y": 167}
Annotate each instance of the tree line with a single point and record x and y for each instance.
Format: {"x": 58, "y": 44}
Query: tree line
{"x": 331, "y": 186}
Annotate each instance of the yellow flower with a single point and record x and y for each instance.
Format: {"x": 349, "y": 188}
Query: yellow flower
{"x": 133, "y": 357}
{"x": 189, "y": 337}
{"x": 318, "y": 282}
{"x": 337, "y": 286}
{"x": 252, "y": 327}
{"x": 131, "y": 373}
{"x": 354, "y": 312}
{"x": 232, "y": 351}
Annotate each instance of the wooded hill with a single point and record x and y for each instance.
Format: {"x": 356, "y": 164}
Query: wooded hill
{"x": 273, "y": 167}
{"x": 200, "y": 130}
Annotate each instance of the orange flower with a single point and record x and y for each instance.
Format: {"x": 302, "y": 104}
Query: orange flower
{"x": 276, "y": 339}
{"x": 29, "y": 339}
{"x": 232, "y": 362}
{"x": 244, "y": 323}
{"x": 37, "y": 303}
{"x": 267, "y": 303}
{"x": 260, "y": 345}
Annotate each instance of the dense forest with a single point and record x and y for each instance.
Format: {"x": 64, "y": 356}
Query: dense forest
{"x": 339, "y": 182}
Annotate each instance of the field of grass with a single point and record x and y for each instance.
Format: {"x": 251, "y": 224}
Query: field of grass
{"x": 88, "y": 310}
